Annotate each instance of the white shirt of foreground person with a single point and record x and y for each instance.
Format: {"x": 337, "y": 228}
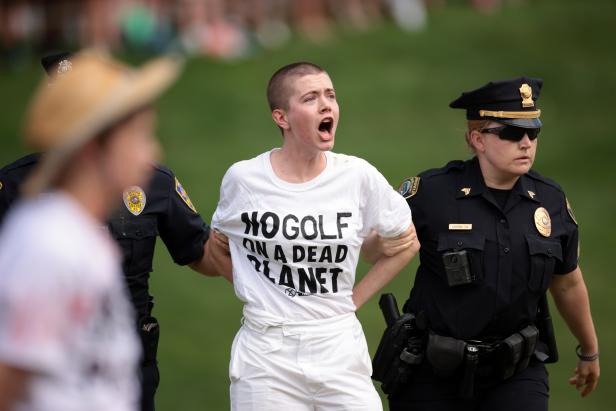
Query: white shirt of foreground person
{"x": 295, "y": 247}
{"x": 64, "y": 314}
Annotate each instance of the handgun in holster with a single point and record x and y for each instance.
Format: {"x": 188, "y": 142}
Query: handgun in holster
{"x": 149, "y": 331}
{"x": 546, "y": 352}
{"x": 400, "y": 348}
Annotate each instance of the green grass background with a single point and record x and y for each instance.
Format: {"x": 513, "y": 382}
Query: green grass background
{"x": 393, "y": 90}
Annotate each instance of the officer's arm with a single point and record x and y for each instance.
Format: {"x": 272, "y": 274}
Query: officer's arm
{"x": 13, "y": 383}
{"x": 571, "y": 298}
{"x": 375, "y": 246}
{"x": 382, "y": 272}
{"x": 216, "y": 260}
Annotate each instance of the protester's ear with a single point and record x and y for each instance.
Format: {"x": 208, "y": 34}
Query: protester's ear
{"x": 280, "y": 118}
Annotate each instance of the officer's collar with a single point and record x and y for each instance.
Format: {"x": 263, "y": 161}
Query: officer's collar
{"x": 525, "y": 187}
{"x": 472, "y": 183}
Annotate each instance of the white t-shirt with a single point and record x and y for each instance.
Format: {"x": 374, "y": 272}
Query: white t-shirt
{"x": 295, "y": 247}
{"x": 64, "y": 313}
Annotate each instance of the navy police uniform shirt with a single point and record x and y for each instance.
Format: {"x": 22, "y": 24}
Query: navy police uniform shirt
{"x": 162, "y": 208}
{"x": 513, "y": 248}
{"x": 11, "y": 177}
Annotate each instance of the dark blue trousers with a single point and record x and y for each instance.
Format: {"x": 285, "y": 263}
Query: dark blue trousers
{"x": 528, "y": 390}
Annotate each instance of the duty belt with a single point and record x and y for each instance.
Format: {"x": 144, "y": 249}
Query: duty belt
{"x": 474, "y": 358}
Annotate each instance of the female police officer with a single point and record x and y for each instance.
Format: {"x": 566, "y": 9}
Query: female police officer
{"x": 495, "y": 236}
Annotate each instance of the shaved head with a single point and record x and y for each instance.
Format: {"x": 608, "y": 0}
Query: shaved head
{"x": 279, "y": 88}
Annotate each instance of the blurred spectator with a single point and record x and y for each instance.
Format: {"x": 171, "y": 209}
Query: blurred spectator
{"x": 225, "y": 29}
{"x": 409, "y": 15}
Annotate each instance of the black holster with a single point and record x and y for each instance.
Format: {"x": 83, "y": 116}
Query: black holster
{"x": 448, "y": 355}
{"x": 516, "y": 351}
{"x": 445, "y": 354}
{"x": 400, "y": 349}
{"x": 149, "y": 331}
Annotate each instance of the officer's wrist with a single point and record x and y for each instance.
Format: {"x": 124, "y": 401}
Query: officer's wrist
{"x": 585, "y": 356}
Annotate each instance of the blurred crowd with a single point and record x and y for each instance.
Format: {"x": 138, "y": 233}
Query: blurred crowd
{"x": 226, "y": 29}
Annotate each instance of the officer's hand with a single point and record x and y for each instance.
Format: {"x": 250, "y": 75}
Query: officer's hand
{"x": 392, "y": 246}
{"x": 586, "y": 376}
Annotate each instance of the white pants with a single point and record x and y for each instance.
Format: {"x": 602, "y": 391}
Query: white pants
{"x": 320, "y": 365}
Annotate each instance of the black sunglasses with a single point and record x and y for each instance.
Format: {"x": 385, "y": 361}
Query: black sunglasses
{"x": 512, "y": 133}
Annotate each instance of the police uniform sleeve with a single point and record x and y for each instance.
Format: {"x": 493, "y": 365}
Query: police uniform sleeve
{"x": 180, "y": 226}
{"x": 570, "y": 241}
{"x": 409, "y": 189}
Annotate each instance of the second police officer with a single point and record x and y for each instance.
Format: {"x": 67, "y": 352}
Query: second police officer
{"x": 162, "y": 208}
{"x": 495, "y": 236}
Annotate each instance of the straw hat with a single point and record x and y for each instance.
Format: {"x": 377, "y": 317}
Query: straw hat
{"x": 77, "y": 106}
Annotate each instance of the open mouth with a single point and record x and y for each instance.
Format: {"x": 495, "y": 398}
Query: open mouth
{"x": 326, "y": 125}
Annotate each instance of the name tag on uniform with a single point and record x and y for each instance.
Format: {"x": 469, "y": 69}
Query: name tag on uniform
{"x": 460, "y": 227}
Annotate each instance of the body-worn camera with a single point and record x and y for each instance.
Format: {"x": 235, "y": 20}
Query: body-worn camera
{"x": 457, "y": 268}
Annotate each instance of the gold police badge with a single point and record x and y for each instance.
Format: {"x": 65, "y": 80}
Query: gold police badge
{"x": 184, "y": 195}
{"x": 543, "y": 222}
{"x": 1, "y": 185}
{"x": 527, "y": 96}
{"x": 409, "y": 187}
{"x": 64, "y": 66}
{"x": 134, "y": 199}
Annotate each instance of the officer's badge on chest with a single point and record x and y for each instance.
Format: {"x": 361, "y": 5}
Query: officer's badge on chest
{"x": 543, "y": 223}
{"x": 134, "y": 199}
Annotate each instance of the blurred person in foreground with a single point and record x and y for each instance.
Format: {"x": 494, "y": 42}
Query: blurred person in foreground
{"x": 161, "y": 208}
{"x": 296, "y": 218}
{"x": 67, "y": 339}
{"x": 495, "y": 235}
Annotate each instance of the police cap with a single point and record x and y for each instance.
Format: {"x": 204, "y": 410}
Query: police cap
{"x": 57, "y": 63}
{"x": 509, "y": 102}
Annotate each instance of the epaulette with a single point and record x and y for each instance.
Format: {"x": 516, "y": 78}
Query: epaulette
{"x": 164, "y": 170}
{"x": 538, "y": 177}
{"x": 452, "y": 165}
{"x": 25, "y": 161}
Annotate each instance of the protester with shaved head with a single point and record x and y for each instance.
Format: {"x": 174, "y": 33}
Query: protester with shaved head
{"x": 297, "y": 217}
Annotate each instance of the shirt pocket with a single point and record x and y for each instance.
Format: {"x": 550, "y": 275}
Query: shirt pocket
{"x": 544, "y": 253}
{"x": 137, "y": 238}
{"x": 472, "y": 242}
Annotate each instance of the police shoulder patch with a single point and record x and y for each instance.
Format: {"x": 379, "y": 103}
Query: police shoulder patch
{"x": 184, "y": 195}
{"x": 134, "y": 199}
{"x": 409, "y": 187}
{"x": 570, "y": 211}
